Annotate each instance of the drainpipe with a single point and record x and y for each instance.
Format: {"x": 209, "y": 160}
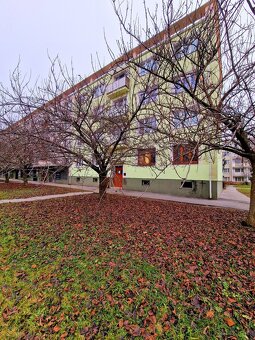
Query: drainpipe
{"x": 210, "y": 178}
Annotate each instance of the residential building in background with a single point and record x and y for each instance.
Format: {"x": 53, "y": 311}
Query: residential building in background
{"x": 236, "y": 168}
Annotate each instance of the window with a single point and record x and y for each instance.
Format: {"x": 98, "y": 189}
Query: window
{"x": 95, "y": 179}
{"x": 188, "y": 82}
{"x": 99, "y": 110}
{"x": 184, "y": 118}
{"x": 187, "y": 184}
{"x": 238, "y": 161}
{"x": 238, "y": 170}
{"x": 58, "y": 176}
{"x": 145, "y": 182}
{"x": 146, "y": 157}
{"x": 79, "y": 163}
{"x": 79, "y": 143}
{"x": 99, "y": 90}
{"x": 120, "y": 76}
{"x": 238, "y": 179}
{"x": 185, "y": 154}
{"x": 226, "y": 170}
{"x": 147, "y": 66}
{"x": 147, "y": 125}
{"x": 185, "y": 47}
{"x": 148, "y": 96}
{"x": 119, "y": 107}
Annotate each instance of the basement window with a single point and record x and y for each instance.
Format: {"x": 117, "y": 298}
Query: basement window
{"x": 187, "y": 184}
{"x": 145, "y": 182}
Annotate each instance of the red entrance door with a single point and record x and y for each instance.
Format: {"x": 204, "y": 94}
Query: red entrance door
{"x": 118, "y": 176}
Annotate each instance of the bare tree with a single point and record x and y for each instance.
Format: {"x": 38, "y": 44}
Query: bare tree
{"x": 205, "y": 72}
{"x": 80, "y": 122}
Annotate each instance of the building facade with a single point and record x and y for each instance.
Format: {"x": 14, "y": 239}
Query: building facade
{"x": 236, "y": 169}
{"x": 156, "y": 153}
{"x": 176, "y": 169}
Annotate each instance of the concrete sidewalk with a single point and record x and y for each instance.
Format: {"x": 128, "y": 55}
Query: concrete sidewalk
{"x": 229, "y": 198}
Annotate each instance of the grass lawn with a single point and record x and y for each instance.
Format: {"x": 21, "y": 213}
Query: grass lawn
{"x": 244, "y": 189}
{"x": 20, "y": 190}
{"x": 74, "y": 269}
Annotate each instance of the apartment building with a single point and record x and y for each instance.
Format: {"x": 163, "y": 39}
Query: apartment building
{"x": 236, "y": 168}
{"x": 147, "y": 158}
{"x": 176, "y": 169}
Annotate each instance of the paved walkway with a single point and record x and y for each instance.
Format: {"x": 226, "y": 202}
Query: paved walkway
{"x": 229, "y": 198}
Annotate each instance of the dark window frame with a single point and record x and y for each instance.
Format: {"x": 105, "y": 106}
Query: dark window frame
{"x": 187, "y": 184}
{"x": 148, "y": 153}
{"x": 185, "y": 154}
{"x": 146, "y": 182}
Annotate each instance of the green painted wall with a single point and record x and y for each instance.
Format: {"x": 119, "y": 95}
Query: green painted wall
{"x": 200, "y": 171}
{"x": 200, "y": 189}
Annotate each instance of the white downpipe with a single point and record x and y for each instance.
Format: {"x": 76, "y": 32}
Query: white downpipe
{"x": 210, "y": 178}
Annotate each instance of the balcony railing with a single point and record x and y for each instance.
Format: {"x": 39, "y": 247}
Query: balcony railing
{"x": 119, "y": 84}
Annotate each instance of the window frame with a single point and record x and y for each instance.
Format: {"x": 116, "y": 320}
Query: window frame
{"x": 178, "y": 88}
{"x": 147, "y": 95}
{"x": 117, "y": 105}
{"x": 186, "y": 46}
{"x": 150, "y": 65}
{"x": 180, "y": 156}
{"x": 99, "y": 90}
{"x": 187, "y": 120}
{"x": 142, "y": 153}
{"x": 146, "y": 127}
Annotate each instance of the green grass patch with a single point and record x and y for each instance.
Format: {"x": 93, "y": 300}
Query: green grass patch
{"x": 19, "y": 190}
{"x": 244, "y": 189}
{"x": 67, "y": 280}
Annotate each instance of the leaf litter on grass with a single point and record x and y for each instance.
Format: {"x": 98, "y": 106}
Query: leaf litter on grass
{"x": 126, "y": 267}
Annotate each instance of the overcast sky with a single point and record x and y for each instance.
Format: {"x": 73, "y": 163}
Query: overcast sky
{"x": 30, "y": 30}
{"x": 74, "y": 30}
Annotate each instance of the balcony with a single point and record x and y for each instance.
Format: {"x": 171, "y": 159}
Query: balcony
{"x": 238, "y": 172}
{"x": 118, "y": 88}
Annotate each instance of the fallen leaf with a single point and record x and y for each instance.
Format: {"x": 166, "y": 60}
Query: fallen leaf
{"x": 63, "y": 335}
{"x": 230, "y": 322}
{"x": 56, "y": 329}
{"x": 210, "y": 314}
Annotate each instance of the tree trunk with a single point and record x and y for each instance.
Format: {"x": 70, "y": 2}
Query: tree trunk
{"x": 251, "y": 214}
{"x": 25, "y": 179}
{"x": 7, "y": 179}
{"x": 103, "y": 183}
